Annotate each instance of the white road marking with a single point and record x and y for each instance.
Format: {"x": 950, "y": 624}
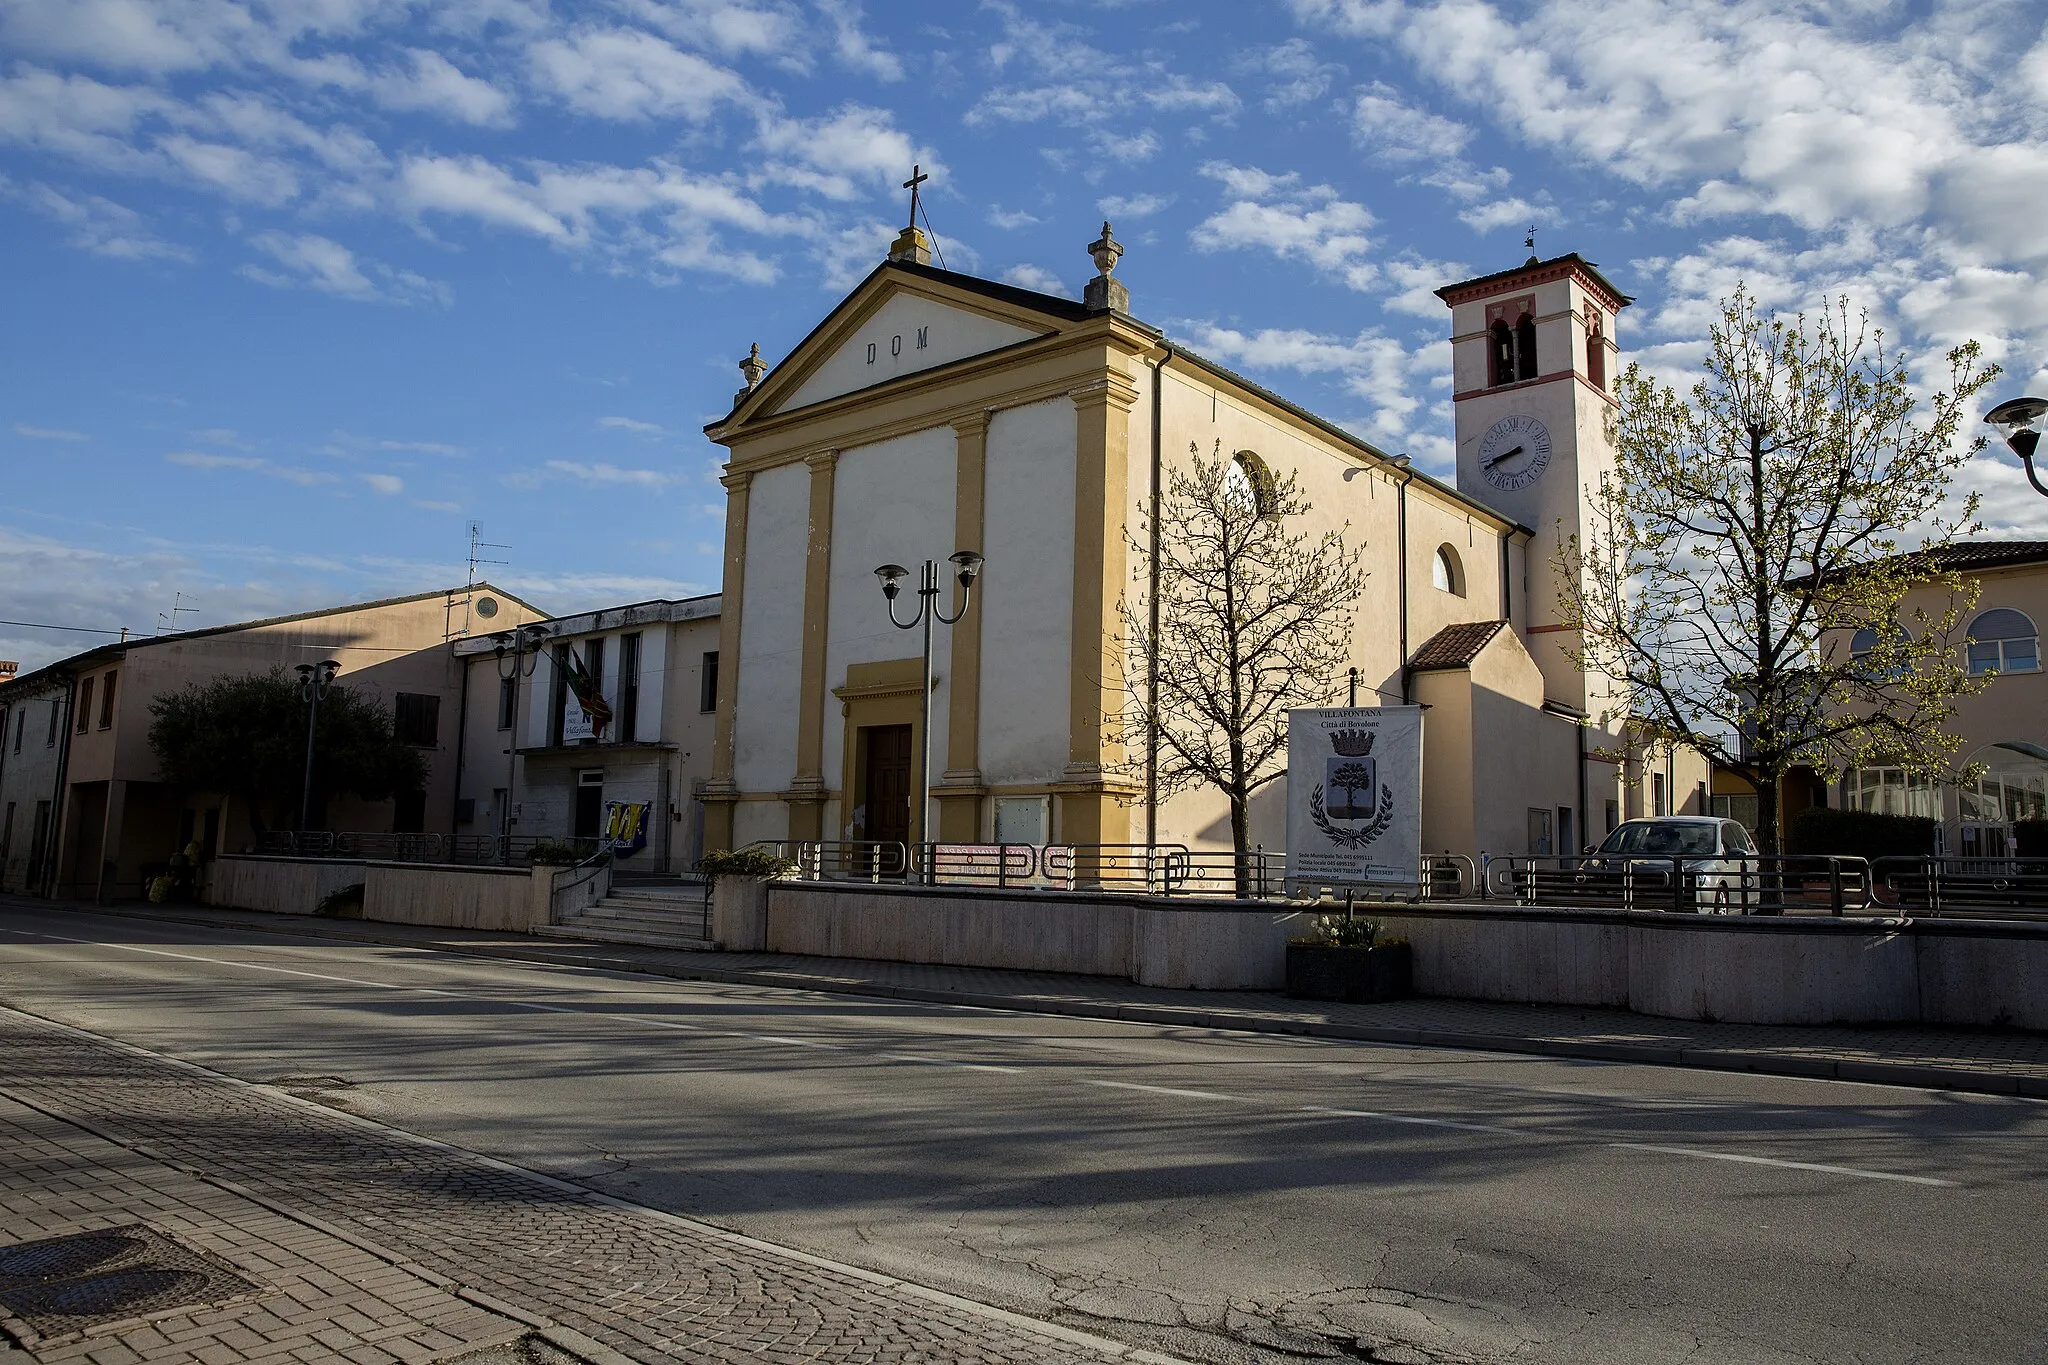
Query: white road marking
{"x": 1168, "y": 1091}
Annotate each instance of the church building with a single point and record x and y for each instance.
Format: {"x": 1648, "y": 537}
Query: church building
{"x": 932, "y": 412}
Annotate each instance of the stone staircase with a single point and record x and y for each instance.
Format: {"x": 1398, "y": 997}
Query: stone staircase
{"x": 664, "y": 915}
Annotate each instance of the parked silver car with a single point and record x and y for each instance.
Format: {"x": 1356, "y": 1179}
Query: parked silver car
{"x": 1715, "y": 857}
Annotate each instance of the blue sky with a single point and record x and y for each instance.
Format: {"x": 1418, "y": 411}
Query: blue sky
{"x": 294, "y": 290}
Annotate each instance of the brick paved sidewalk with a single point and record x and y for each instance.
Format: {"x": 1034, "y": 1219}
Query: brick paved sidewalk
{"x": 315, "y": 1296}
{"x": 1997, "y": 1062}
{"x": 382, "y": 1246}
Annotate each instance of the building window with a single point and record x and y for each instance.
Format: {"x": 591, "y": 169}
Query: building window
{"x": 629, "y": 689}
{"x": 558, "y": 695}
{"x": 1596, "y": 354}
{"x": 1657, "y": 798}
{"x": 417, "y": 721}
{"x": 1525, "y": 348}
{"x": 1249, "y": 485}
{"x": 508, "y": 701}
{"x": 2003, "y": 641}
{"x": 1446, "y": 573}
{"x": 1892, "y": 791}
{"x": 1511, "y": 350}
{"x": 1612, "y": 811}
{"x": 21, "y": 724}
{"x": 84, "y": 716}
{"x": 107, "y": 700}
{"x": 707, "y": 697}
{"x": 56, "y": 717}
{"x": 1539, "y": 832}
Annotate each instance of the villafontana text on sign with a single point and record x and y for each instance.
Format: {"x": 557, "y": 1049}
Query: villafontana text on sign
{"x": 1354, "y": 795}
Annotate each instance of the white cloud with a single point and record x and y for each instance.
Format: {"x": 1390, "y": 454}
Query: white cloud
{"x": 1371, "y": 366}
{"x": 1136, "y": 206}
{"x": 732, "y": 29}
{"x": 311, "y": 261}
{"x": 1299, "y": 75}
{"x": 48, "y": 433}
{"x": 637, "y": 427}
{"x": 98, "y": 225}
{"x": 1309, "y": 223}
{"x": 602, "y": 473}
{"x": 387, "y": 484}
{"x": 426, "y": 506}
{"x": 1514, "y": 211}
{"x": 213, "y": 461}
{"x": 1142, "y": 145}
{"x": 1395, "y": 131}
{"x": 1011, "y": 219}
{"x": 433, "y": 84}
{"x": 853, "y": 47}
{"x": 1027, "y": 276}
{"x": 630, "y": 75}
{"x": 424, "y": 448}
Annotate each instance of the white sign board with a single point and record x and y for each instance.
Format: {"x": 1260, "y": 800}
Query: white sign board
{"x": 575, "y": 720}
{"x": 1354, "y": 795}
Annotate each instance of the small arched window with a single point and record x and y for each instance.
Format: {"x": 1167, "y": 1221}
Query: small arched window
{"x": 1866, "y": 641}
{"x": 1596, "y": 354}
{"x": 1446, "y": 573}
{"x": 1862, "y": 643}
{"x": 2003, "y": 641}
{"x": 1250, "y": 484}
{"x": 1501, "y": 348}
{"x": 1525, "y": 348}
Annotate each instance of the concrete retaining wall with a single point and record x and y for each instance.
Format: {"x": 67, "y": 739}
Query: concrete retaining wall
{"x": 510, "y": 899}
{"x": 1736, "y": 969}
{"x": 282, "y": 886}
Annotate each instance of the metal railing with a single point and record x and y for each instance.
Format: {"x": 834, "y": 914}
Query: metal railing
{"x": 597, "y": 866}
{"x": 480, "y": 850}
{"x": 1156, "y": 869}
{"x": 1449, "y": 876}
{"x": 1753, "y": 884}
{"x": 1996, "y": 888}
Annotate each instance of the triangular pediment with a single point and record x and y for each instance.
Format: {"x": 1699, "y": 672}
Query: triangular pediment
{"x": 899, "y": 321}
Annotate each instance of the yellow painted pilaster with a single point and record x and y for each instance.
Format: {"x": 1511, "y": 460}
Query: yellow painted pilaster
{"x": 959, "y": 789}
{"x": 721, "y": 792}
{"x": 1090, "y": 810}
{"x": 806, "y": 795}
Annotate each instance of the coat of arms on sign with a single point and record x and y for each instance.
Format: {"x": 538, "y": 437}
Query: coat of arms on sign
{"x": 1351, "y": 776}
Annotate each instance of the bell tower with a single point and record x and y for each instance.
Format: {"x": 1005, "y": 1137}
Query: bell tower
{"x": 1532, "y": 355}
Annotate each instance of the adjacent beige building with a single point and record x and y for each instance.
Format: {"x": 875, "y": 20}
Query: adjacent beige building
{"x": 91, "y": 817}
{"x": 932, "y": 411}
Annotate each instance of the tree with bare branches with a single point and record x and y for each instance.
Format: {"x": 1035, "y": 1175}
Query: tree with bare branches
{"x": 1252, "y": 619}
{"x": 1753, "y": 526}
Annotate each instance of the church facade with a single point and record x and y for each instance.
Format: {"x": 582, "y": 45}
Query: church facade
{"x": 933, "y": 412}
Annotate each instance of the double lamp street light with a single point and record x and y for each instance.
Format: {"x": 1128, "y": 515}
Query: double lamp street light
{"x": 314, "y": 680}
{"x": 968, "y": 567}
{"x": 2019, "y": 421}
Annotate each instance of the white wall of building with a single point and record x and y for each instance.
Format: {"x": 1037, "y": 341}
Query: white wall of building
{"x": 893, "y": 503}
{"x": 1026, "y": 597}
{"x": 772, "y": 627}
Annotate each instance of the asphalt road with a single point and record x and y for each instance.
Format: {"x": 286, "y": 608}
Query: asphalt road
{"x": 1222, "y": 1197}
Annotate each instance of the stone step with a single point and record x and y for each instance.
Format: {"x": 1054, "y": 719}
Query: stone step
{"x": 647, "y": 938}
{"x": 639, "y": 896}
{"x": 658, "y": 919}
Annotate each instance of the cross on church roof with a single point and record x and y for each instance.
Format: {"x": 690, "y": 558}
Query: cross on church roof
{"x": 917, "y": 177}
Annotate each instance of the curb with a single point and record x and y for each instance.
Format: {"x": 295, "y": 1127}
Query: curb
{"x": 1907, "y": 1074}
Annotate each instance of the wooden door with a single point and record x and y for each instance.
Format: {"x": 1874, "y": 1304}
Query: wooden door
{"x": 888, "y": 783}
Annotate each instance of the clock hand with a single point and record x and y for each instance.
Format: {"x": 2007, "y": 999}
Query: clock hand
{"x": 1504, "y": 455}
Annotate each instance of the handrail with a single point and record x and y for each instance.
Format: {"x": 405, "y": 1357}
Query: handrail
{"x": 1740, "y": 884}
{"x": 598, "y": 862}
{"x": 1963, "y": 886}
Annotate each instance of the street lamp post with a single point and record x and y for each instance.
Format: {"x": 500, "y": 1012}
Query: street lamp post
{"x": 314, "y": 680}
{"x": 968, "y": 566}
{"x": 518, "y": 654}
{"x": 2019, "y": 419}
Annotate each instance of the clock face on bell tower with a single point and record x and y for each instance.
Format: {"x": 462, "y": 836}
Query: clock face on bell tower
{"x": 1514, "y": 452}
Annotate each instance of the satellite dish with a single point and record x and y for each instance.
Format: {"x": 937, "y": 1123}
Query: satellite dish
{"x": 487, "y": 607}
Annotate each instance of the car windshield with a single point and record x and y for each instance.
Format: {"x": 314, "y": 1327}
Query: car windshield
{"x": 1649, "y": 836}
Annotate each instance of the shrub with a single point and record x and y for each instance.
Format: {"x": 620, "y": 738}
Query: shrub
{"x": 758, "y": 863}
{"x": 159, "y": 890}
{"x": 556, "y": 853}
{"x": 1823, "y": 830}
{"x": 1355, "y": 931}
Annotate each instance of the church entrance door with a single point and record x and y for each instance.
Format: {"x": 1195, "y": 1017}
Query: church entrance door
{"x": 886, "y": 764}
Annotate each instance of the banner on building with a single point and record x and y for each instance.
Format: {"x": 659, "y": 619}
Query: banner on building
{"x": 625, "y": 827}
{"x": 585, "y": 713}
{"x": 1354, "y": 795}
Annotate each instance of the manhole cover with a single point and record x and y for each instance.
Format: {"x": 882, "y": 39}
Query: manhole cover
{"x": 62, "y": 1285}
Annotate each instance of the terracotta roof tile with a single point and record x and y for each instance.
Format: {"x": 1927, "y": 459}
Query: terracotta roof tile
{"x": 1455, "y": 646}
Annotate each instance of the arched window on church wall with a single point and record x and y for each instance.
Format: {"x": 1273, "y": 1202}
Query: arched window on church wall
{"x": 1502, "y": 349}
{"x": 1525, "y": 348}
{"x": 1596, "y": 354}
{"x": 1446, "y": 574}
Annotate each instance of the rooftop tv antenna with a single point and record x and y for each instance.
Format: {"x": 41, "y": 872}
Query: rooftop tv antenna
{"x": 167, "y": 622}
{"x": 478, "y": 557}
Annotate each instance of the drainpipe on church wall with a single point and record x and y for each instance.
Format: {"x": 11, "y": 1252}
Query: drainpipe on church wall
{"x": 1401, "y": 521}
{"x": 1152, "y": 644}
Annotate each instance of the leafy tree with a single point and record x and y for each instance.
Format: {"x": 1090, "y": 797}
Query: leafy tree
{"x": 247, "y": 736}
{"x": 1253, "y": 619}
{"x": 1752, "y": 525}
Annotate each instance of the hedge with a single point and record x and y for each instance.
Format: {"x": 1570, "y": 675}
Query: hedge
{"x": 1861, "y": 834}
